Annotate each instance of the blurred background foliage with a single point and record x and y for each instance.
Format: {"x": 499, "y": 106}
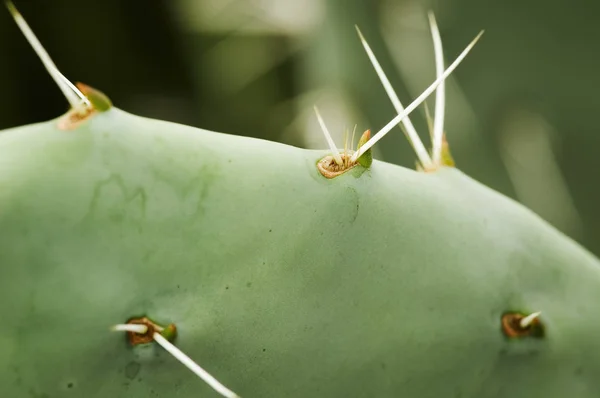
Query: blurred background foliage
{"x": 520, "y": 109}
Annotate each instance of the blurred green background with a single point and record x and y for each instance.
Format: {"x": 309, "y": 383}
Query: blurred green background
{"x": 520, "y": 109}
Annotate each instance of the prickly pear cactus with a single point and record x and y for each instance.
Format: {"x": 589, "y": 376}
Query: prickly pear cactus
{"x": 279, "y": 272}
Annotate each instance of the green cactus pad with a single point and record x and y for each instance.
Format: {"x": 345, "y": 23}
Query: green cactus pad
{"x": 381, "y": 282}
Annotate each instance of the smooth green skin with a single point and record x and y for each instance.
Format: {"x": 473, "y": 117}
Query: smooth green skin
{"x": 383, "y": 282}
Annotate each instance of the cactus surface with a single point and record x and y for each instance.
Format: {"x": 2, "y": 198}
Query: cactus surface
{"x": 379, "y": 282}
